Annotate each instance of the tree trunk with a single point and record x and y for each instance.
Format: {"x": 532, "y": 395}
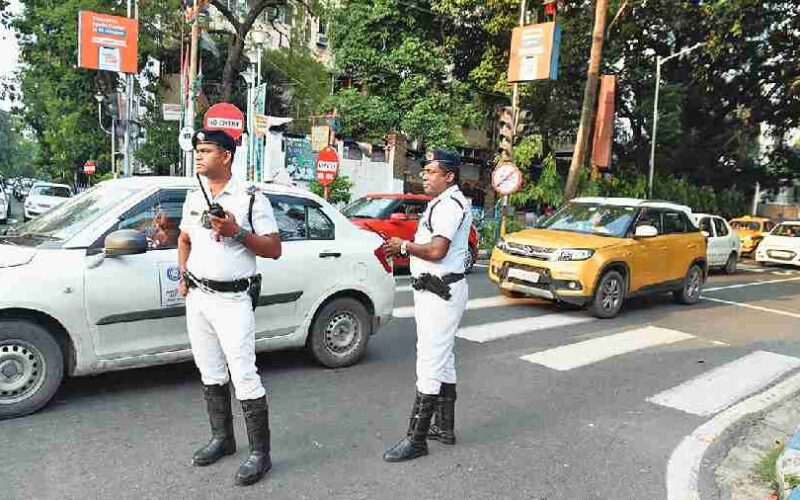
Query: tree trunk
{"x": 229, "y": 73}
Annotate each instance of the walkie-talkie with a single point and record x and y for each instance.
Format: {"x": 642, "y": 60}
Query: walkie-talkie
{"x": 214, "y": 209}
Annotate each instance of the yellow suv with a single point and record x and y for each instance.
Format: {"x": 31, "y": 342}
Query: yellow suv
{"x": 751, "y": 231}
{"x": 597, "y": 252}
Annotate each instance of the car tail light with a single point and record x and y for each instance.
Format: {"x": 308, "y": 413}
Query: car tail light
{"x": 385, "y": 261}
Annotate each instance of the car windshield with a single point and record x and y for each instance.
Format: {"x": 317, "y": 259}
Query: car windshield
{"x": 74, "y": 215}
{"x": 740, "y": 224}
{"x": 370, "y": 208}
{"x": 590, "y": 218}
{"x": 788, "y": 230}
{"x": 57, "y": 191}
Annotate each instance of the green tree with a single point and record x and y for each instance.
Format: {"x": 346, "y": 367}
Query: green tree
{"x": 339, "y": 189}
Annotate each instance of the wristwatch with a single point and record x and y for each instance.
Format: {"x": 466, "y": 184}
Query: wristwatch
{"x": 239, "y": 235}
{"x": 404, "y": 248}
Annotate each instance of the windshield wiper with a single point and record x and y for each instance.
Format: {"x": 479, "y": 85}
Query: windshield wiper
{"x": 39, "y": 235}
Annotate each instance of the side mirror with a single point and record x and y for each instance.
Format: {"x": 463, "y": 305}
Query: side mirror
{"x": 398, "y": 218}
{"x": 645, "y": 232}
{"x": 706, "y": 234}
{"x": 125, "y": 242}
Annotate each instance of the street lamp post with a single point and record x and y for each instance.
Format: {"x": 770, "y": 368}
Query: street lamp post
{"x": 100, "y": 98}
{"x": 250, "y": 77}
{"x": 659, "y": 62}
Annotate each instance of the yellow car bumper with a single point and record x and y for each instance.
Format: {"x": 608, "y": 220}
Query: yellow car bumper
{"x": 564, "y": 281}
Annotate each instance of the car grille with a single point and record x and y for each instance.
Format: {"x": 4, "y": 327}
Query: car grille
{"x": 781, "y": 254}
{"x": 539, "y": 253}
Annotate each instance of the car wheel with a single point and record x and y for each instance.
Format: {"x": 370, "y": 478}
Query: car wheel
{"x": 31, "y": 367}
{"x": 609, "y": 296}
{"x": 692, "y": 286}
{"x": 730, "y": 264}
{"x": 472, "y": 258}
{"x": 340, "y": 333}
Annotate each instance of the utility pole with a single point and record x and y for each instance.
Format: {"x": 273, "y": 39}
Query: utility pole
{"x": 190, "y": 108}
{"x": 589, "y": 100}
{"x": 127, "y": 168}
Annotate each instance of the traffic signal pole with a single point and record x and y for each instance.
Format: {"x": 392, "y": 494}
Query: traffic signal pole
{"x": 188, "y": 170}
{"x": 515, "y": 113}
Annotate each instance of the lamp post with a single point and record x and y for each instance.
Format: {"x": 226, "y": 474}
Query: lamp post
{"x": 250, "y": 77}
{"x": 100, "y": 98}
{"x": 660, "y": 61}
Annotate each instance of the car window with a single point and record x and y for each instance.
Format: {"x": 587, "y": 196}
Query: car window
{"x": 158, "y": 217}
{"x": 768, "y": 226}
{"x": 675, "y": 222}
{"x": 740, "y": 224}
{"x": 371, "y": 208}
{"x": 412, "y": 208}
{"x": 57, "y": 191}
{"x": 591, "y": 218}
{"x": 291, "y": 218}
{"x": 787, "y": 230}
{"x": 651, "y": 217}
{"x": 320, "y": 226}
{"x": 721, "y": 227}
{"x": 707, "y": 226}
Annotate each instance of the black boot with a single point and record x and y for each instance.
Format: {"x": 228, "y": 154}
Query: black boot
{"x": 256, "y": 417}
{"x": 415, "y": 443}
{"x": 218, "y": 404}
{"x": 444, "y": 416}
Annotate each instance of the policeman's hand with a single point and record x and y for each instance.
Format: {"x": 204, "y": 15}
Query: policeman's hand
{"x": 392, "y": 246}
{"x": 225, "y": 227}
{"x": 183, "y": 288}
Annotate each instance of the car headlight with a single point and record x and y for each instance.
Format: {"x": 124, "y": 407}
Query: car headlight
{"x": 573, "y": 254}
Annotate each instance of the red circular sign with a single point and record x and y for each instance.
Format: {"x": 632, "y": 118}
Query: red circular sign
{"x": 225, "y": 117}
{"x": 89, "y": 167}
{"x": 327, "y": 166}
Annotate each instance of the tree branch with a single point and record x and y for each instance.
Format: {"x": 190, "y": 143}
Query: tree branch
{"x": 227, "y": 14}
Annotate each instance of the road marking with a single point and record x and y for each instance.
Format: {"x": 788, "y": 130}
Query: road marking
{"x": 743, "y": 285}
{"x": 482, "y": 303}
{"x": 481, "y": 265}
{"x": 684, "y": 464}
{"x": 493, "y": 331}
{"x": 403, "y": 288}
{"x": 719, "y": 388}
{"x": 591, "y": 351}
{"x": 751, "y": 306}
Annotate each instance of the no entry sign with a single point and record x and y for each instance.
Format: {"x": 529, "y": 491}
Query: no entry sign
{"x": 225, "y": 117}
{"x": 89, "y": 167}
{"x": 327, "y": 166}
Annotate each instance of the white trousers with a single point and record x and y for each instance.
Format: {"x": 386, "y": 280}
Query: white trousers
{"x": 437, "y": 323}
{"x": 222, "y": 330}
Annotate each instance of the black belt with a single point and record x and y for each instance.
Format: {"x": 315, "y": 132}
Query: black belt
{"x": 218, "y": 286}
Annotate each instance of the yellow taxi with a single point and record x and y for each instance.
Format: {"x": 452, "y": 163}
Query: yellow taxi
{"x": 751, "y": 231}
{"x": 597, "y": 252}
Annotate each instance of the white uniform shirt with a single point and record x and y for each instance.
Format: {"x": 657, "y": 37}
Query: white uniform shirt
{"x": 448, "y": 215}
{"x": 226, "y": 260}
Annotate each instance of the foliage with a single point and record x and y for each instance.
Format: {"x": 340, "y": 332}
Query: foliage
{"x": 766, "y": 467}
{"x": 548, "y": 190}
{"x": 339, "y": 189}
{"x": 491, "y": 231}
{"x": 18, "y": 154}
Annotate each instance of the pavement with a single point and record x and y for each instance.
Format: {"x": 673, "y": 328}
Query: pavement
{"x": 552, "y": 404}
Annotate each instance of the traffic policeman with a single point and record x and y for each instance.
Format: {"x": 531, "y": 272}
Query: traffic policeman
{"x": 217, "y": 259}
{"x": 438, "y": 258}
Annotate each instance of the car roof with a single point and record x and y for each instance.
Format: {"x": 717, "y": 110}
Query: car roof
{"x": 699, "y": 216}
{"x": 633, "y": 202}
{"x": 790, "y": 223}
{"x": 50, "y": 184}
{"x": 399, "y": 196}
{"x": 752, "y": 218}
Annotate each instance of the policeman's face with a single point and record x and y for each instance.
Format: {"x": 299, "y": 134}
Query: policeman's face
{"x": 211, "y": 160}
{"x": 435, "y": 179}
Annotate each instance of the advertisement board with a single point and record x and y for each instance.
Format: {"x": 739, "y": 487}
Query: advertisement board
{"x": 109, "y": 43}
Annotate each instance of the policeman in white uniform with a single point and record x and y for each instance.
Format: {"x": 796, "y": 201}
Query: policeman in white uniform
{"x": 217, "y": 258}
{"x": 438, "y": 257}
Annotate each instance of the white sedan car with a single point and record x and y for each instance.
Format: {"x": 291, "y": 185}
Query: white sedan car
{"x": 5, "y": 202}
{"x": 781, "y": 245}
{"x": 724, "y": 247}
{"x": 91, "y": 286}
{"x": 43, "y": 196}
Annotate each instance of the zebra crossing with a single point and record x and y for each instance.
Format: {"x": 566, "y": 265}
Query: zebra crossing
{"x": 706, "y": 394}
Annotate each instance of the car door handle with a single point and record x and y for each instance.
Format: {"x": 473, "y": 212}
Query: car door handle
{"x": 326, "y": 255}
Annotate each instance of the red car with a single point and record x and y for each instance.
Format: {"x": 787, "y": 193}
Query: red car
{"x": 394, "y": 214}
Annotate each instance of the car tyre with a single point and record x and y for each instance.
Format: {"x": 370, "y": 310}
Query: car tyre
{"x": 339, "y": 333}
{"x": 692, "y": 286}
{"x": 609, "y": 295}
{"x": 31, "y": 367}
{"x": 472, "y": 258}
{"x": 730, "y": 265}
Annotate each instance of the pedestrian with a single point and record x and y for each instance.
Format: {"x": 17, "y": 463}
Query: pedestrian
{"x": 438, "y": 257}
{"x": 217, "y": 259}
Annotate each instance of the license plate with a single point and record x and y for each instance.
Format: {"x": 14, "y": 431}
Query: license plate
{"x": 521, "y": 274}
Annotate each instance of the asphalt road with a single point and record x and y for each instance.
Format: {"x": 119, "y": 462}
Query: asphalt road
{"x": 563, "y": 424}
{"x": 14, "y": 213}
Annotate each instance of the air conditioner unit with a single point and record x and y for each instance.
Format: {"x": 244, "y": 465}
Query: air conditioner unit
{"x": 322, "y": 40}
